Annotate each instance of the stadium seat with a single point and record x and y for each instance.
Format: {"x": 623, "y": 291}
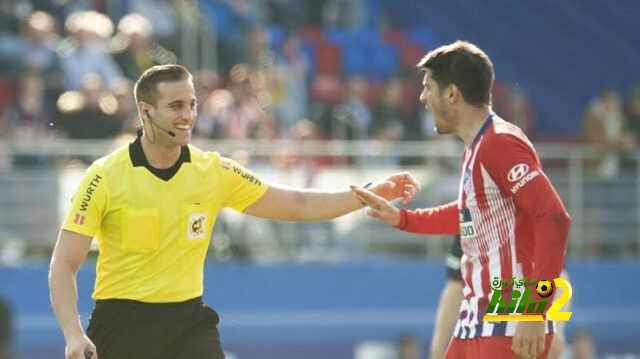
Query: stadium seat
{"x": 395, "y": 36}
{"x": 356, "y": 60}
{"x": 423, "y": 36}
{"x": 383, "y": 62}
{"x": 313, "y": 35}
{"x": 327, "y": 58}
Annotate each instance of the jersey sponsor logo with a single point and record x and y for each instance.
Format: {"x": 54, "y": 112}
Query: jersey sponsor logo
{"x": 196, "y": 226}
{"x": 467, "y": 228}
{"x": 249, "y": 177}
{"x": 79, "y": 219}
{"x": 89, "y": 192}
{"x": 518, "y": 171}
{"x": 524, "y": 181}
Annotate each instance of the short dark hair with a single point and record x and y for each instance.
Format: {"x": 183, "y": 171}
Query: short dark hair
{"x": 464, "y": 65}
{"x": 145, "y": 89}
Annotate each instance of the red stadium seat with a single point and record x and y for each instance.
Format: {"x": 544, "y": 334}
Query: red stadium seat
{"x": 328, "y": 58}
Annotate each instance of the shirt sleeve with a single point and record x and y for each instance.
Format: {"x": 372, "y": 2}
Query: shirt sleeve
{"x": 242, "y": 187}
{"x": 436, "y": 220}
{"x": 88, "y": 204}
{"x": 453, "y": 260}
{"x": 514, "y": 166}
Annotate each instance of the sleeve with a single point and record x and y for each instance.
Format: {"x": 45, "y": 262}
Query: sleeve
{"x": 437, "y": 220}
{"x": 453, "y": 260}
{"x": 242, "y": 187}
{"x": 88, "y": 204}
{"x": 513, "y": 164}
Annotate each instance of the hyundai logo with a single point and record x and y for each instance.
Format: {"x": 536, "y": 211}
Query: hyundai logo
{"x": 518, "y": 171}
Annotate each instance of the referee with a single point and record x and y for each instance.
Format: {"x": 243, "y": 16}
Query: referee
{"x": 152, "y": 206}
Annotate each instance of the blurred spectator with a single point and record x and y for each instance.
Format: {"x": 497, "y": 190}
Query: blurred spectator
{"x": 134, "y": 50}
{"x": 583, "y": 346}
{"x": 29, "y": 117}
{"x": 512, "y": 103}
{"x": 237, "y": 113}
{"x": 37, "y": 51}
{"x": 305, "y": 130}
{"x": 126, "y": 110}
{"x": 351, "y": 14}
{"x": 389, "y": 113}
{"x": 632, "y": 112}
{"x": 85, "y": 51}
{"x": 60, "y": 9}
{"x": 289, "y": 83}
{"x": 290, "y": 14}
{"x": 408, "y": 347}
{"x": 604, "y": 126}
{"x": 165, "y": 20}
{"x": 6, "y": 329}
{"x": 11, "y": 12}
{"x": 258, "y": 53}
{"x": 30, "y": 111}
{"x": 229, "y": 21}
{"x": 353, "y": 119}
{"x": 205, "y": 83}
{"x": 89, "y": 113}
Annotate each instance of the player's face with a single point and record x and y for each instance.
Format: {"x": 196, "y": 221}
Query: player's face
{"x": 434, "y": 99}
{"x": 176, "y": 111}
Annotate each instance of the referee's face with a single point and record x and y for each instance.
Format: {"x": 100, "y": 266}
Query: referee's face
{"x": 176, "y": 111}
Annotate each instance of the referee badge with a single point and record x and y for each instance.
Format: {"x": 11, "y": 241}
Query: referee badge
{"x": 196, "y": 226}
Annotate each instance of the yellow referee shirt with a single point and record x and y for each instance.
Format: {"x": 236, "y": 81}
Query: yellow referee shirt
{"x": 153, "y": 226}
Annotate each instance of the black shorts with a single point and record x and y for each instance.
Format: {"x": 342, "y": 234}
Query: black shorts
{"x": 127, "y": 329}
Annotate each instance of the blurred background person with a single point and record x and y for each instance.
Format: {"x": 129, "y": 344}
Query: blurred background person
{"x": 85, "y": 51}
{"x": 605, "y": 127}
{"x": 6, "y": 329}
{"x": 133, "y": 48}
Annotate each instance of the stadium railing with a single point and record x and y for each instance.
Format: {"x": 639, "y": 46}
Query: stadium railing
{"x": 604, "y": 209}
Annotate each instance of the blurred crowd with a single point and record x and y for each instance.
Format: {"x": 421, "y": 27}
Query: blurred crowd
{"x": 283, "y": 69}
{"x": 273, "y": 69}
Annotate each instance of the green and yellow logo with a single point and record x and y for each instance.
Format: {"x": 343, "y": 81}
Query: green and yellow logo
{"x": 522, "y": 302}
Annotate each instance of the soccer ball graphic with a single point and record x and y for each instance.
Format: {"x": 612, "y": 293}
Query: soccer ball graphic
{"x": 544, "y": 288}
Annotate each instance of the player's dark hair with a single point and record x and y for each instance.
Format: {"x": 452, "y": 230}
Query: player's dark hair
{"x": 146, "y": 88}
{"x": 464, "y": 65}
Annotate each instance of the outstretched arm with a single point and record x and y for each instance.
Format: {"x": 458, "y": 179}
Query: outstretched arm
{"x": 313, "y": 205}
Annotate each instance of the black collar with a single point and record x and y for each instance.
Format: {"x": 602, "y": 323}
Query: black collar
{"x": 139, "y": 159}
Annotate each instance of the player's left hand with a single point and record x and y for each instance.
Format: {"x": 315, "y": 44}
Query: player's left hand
{"x": 400, "y": 185}
{"x": 529, "y": 340}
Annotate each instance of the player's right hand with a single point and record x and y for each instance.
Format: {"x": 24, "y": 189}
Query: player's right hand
{"x": 80, "y": 347}
{"x": 379, "y": 207}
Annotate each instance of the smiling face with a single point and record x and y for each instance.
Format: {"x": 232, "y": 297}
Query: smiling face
{"x": 435, "y": 100}
{"x": 175, "y": 111}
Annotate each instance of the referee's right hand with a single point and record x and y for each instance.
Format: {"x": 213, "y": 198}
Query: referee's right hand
{"x": 80, "y": 347}
{"x": 379, "y": 207}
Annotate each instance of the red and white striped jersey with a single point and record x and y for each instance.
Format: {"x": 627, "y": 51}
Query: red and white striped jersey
{"x": 510, "y": 219}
